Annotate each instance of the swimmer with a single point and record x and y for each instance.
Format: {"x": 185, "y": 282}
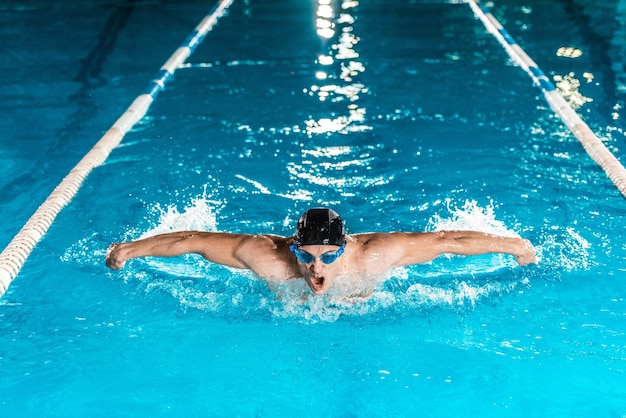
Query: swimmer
{"x": 320, "y": 251}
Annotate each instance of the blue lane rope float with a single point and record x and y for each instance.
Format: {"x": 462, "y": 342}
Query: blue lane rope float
{"x": 592, "y": 144}
{"x": 15, "y": 254}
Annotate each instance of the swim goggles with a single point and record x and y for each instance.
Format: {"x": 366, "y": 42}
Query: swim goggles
{"x": 326, "y": 258}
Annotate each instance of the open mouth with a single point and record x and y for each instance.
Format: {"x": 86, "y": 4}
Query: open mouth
{"x": 317, "y": 282}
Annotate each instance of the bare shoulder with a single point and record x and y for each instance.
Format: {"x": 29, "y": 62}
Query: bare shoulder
{"x": 380, "y": 251}
{"x": 262, "y": 243}
{"x": 267, "y": 255}
{"x": 393, "y": 239}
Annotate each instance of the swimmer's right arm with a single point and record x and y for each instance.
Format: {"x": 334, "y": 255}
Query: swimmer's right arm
{"x": 218, "y": 247}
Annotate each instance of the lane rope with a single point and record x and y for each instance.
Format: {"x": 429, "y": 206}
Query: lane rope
{"x": 590, "y": 142}
{"x": 15, "y": 254}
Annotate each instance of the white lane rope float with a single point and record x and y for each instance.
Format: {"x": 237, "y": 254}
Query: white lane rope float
{"x": 590, "y": 142}
{"x": 15, "y": 254}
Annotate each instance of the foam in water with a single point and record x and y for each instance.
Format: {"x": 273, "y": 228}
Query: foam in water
{"x": 470, "y": 216}
{"x": 198, "y": 216}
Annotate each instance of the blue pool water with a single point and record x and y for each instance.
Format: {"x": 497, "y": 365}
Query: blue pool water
{"x": 420, "y": 122}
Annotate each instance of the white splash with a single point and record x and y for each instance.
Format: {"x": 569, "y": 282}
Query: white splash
{"x": 198, "y": 216}
{"x": 470, "y": 217}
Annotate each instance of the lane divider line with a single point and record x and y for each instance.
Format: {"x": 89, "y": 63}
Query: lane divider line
{"x": 590, "y": 142}
{"x": 15, "y": 254}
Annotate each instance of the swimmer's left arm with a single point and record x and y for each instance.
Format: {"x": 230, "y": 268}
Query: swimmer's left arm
{"x": 475, "y": 243}
{"x": 415, "y": 248}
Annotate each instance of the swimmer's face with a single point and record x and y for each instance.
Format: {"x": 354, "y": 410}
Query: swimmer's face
{"x": 318, "y": 275}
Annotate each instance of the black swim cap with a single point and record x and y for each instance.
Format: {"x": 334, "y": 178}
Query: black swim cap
{"x": 320, "y": 226}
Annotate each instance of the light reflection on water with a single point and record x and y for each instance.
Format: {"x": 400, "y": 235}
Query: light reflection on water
{"x": 338, "y": 70}
{"x": 344, "y": 168}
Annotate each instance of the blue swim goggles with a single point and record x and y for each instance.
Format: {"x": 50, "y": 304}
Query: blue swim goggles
{"x": 326, "y": 258}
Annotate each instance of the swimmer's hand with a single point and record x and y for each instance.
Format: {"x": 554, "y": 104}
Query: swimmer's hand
{"x": 112, "y": 257}
{"x": 526, "y": 254}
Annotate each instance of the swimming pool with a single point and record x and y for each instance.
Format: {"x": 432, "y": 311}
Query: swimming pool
{"x": 419, "y": 122}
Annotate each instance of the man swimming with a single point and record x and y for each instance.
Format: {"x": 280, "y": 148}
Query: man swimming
{"x": 320, "y": 251}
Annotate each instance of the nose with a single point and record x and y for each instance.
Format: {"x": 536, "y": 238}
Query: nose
{"x": 316, "y": 266}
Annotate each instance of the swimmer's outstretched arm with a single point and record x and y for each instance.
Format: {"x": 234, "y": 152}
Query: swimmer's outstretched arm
{"x": 217, "y": 247}
{"x": 475, "y": 243}
{"x": 401, "y": 249}
{"x": 266, "y": 255}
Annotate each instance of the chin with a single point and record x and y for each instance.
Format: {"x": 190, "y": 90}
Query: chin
{"x": 319, "y": 292}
